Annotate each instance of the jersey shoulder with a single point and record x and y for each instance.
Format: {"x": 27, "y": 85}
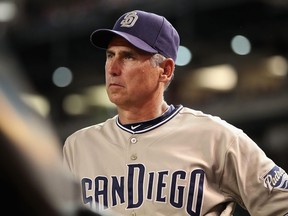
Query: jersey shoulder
{"x": 96, "y": 128}
{"x": 207, "y": 120}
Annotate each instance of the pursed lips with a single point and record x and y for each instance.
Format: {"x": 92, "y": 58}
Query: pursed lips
{"x": 115, "y": 85}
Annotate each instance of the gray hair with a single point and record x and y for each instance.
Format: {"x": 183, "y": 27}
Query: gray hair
{"x": 156, "y": 60}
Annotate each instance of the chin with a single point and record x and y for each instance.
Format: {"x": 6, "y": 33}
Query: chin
{"x": 115, "y": 99}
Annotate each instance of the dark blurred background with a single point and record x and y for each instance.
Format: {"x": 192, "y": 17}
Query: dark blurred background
{"x": 232, "y": 61}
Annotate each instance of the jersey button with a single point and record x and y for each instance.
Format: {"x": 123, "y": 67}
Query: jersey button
{"x": 133, "y": 140}
{"x": 133, "y": 157}
{"x": 133, "y": 213}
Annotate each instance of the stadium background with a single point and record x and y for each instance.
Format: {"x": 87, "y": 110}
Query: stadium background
{"x": 234, "y": 63}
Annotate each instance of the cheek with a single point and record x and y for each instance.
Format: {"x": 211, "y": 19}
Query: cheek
{"x": 148, "y": 78}
{"x": 143, "y": 78}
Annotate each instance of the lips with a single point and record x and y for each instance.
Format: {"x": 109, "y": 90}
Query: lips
{"x": 115, "y": 85}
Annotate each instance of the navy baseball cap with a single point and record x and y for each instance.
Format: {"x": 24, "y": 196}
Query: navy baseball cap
{"x": 146, "y": 31}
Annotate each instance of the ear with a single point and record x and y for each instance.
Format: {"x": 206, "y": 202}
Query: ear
{"x": 167, "y": 72}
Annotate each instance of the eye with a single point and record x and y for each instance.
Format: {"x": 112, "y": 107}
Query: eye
{"x": 109, "y": 55}
{"x": 128, "y": 56}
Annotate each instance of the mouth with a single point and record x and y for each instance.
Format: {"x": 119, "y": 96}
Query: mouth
{"x": 115, "y": 85}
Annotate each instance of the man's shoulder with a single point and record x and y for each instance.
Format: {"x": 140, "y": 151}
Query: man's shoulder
{"x": 207, "y": 120}
{"x": 110, "y": 122}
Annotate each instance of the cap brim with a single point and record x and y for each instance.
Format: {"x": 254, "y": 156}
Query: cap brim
{"x": 102, "y": 37}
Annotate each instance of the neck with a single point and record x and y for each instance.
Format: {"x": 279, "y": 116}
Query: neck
{"x": 142, "y": 113}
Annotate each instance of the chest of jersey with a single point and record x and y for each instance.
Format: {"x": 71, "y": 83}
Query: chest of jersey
{"x": 152, "y": 168}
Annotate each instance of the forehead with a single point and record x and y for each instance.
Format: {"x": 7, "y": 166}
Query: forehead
{"x": 118, "y": 41}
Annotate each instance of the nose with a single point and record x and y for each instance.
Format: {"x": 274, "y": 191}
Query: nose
{"x": 113, "y": 67}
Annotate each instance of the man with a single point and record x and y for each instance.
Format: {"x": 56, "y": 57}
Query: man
{"x": 159, "y": 159}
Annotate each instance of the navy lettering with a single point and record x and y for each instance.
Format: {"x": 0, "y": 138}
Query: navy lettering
{"x": 160, "y": 186}
{"x": 139, "y": 181}
{"x": 101, "y": 184}
{"x": 150, "y": 186}
{"x": 117, "y": 189}
{"x": 196, "y": 184}
{"x": 179, "y": 189}
{"x": 86, "y": 186}
{"x": 174, "y": 188}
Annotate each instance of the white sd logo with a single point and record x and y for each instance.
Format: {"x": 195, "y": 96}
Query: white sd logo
{"x": 130, "y": 19}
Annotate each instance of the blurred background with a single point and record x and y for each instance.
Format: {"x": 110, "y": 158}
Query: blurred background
{"x": 232, "y": 61}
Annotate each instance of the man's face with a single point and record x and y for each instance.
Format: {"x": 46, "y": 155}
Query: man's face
{"x": 131, "y": 79}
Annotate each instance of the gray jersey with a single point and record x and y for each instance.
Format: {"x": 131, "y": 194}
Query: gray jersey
{"x": 189, "y": 163}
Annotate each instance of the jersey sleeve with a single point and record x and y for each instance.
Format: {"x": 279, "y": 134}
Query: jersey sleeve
{"x": 253, "y": 179}
{"x": 68, "y": 153}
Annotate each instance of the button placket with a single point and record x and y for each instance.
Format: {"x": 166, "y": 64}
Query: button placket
{"x": 134, "y": 156}
{"x": 133, "y": 153}
{"x": 133, "y": 140}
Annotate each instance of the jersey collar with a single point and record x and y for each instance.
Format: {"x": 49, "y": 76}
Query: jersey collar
{"x": 142, "y": 127}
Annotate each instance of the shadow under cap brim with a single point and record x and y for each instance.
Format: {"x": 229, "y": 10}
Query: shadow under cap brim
{"x": 102, "y": 37}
